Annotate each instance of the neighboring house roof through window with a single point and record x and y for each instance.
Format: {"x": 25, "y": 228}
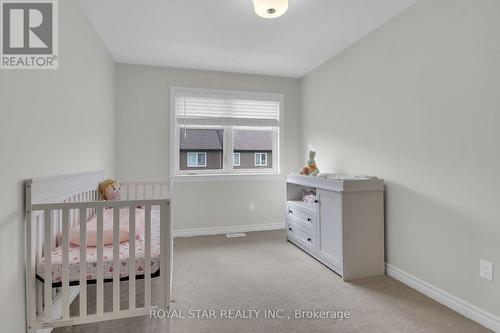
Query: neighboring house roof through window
{"x": 253, "y": 140}
{"x": 201, "y": 139}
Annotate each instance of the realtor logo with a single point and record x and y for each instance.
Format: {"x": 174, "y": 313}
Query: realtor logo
{"x": 29, "y": 38}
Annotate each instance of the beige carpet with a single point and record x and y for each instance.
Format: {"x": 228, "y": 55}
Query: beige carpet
{"x": 263, "y": 271}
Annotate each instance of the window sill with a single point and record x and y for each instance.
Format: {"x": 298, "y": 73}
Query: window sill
{"x": 225, "y": 177}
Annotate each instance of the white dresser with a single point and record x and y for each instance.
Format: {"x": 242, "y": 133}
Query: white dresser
{"x": 344, "y": 227}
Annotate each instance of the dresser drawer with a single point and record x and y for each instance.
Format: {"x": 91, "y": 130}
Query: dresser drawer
{"x": 304, "y": 217}
{"x": 298, "y": 233}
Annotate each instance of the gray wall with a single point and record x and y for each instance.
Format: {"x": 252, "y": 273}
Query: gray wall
{"x": 52, "y": 122}
{"x": 143, "y": 145}
{"x": 418, "y": 103}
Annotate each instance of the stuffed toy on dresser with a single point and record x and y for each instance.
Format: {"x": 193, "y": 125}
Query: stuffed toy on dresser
{"x": 311, "y": 169}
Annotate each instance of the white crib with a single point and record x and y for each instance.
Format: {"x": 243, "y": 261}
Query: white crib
{"x": 54, "y": 205}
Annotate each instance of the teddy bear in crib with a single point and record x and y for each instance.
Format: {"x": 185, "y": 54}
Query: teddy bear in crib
{"x": 109, "y": 190}
{"x": 311, "y": 169}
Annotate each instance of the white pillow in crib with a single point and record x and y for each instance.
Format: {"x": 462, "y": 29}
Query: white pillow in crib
{"x": 74, "y": 236}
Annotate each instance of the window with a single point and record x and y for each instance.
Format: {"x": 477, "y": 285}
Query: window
{"x": 200, "y": 148}
{"x": 196, "y": 159}
{"x": 236, "y": 159}
{"x": 260, "y": 159}
{"x": 254, "y": 145}
{"x": 224, "y": 132}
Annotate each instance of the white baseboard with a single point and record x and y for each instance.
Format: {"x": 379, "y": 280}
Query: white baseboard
{"x": 227, "y": 230}
{"x": 464, "y": 308}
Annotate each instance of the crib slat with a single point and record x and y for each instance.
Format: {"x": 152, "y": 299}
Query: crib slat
{"x": 59, "y": 228}
{"x": 147, "y": 256}
{"x": 39, "y": 234}
{"x": 76, "y": 211}
{"x": 165, "y": 254}
{"x": 47, "y": 243}
{"x": 116, "y": 259}
{"x": 131, "y": 263}
{"x": 30, "y": 259}
{"x": 95, "y": 198}
{"x": 100, "y": 245}
{"x": 83, "y": 265}
{"x": 55, "y": 228}
{"x": 73, "y": 215}
{"x": 87, "y": 199}
{"x": 65, "y": 264}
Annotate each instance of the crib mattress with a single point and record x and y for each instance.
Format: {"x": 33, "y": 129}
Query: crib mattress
{"x": 74, "y": 257}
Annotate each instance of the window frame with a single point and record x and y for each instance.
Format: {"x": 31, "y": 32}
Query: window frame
{"x": 255, "y": 159}
{"x": 239, "y": 159}
{"x": 228, "y": 171}
{"x": 197, "y": 154}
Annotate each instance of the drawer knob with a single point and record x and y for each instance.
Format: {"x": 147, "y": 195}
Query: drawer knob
{"x": 290, "y": 212}
{"x": 316, "y": 201}
{"x": 290, "y": 229}
{"x": 309, "y": 219}
{"x": 309, "y": 239}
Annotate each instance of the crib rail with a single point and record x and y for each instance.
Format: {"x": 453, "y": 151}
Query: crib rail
{"x": 144, "y": 190}
{"x": 40, "y": 311}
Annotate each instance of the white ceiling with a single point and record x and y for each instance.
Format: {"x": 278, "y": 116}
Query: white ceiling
{"x": 226, "y": 35}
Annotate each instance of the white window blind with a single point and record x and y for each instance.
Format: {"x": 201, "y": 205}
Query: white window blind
{"x": 226, "y": 111}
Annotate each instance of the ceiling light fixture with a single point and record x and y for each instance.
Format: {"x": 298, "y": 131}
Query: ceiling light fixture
{"x": 270, "y": 8}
